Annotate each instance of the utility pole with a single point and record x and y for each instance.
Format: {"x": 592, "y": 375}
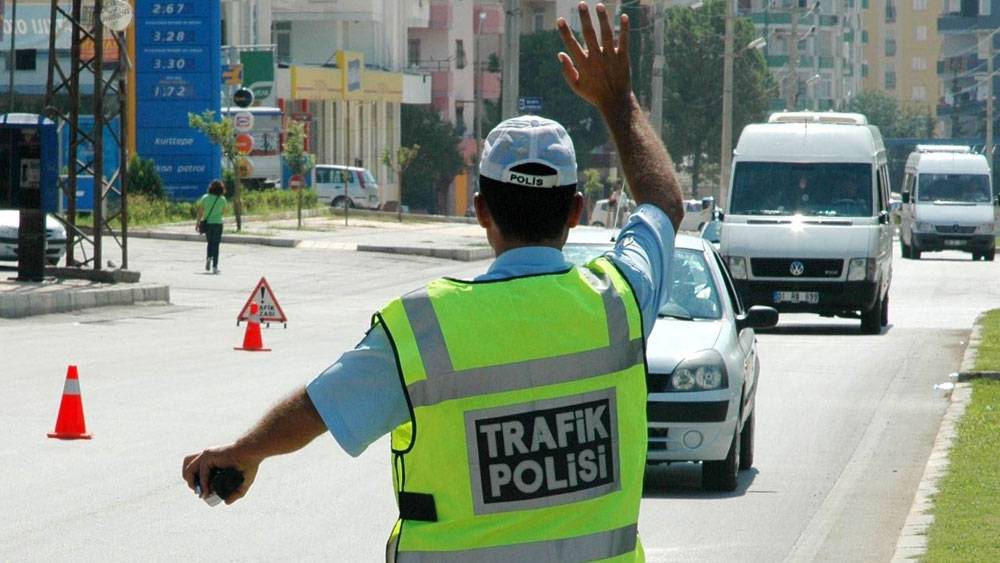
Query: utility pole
{"x": 726, "y": 150}
{"x": 511, "y": 58}
{"x": 792, "y": 92}
{"x": 656, "y": 104}
{"x": 477, "y": 110}
{"x": 989, "y": 98}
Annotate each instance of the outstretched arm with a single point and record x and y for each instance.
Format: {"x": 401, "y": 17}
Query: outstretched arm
{"x": 288, "y": 426}
{"x": 600, "y": 74}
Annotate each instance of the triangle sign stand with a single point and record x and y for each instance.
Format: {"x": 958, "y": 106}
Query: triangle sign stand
{"x": 268, "y": 308}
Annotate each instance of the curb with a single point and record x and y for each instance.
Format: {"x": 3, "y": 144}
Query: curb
{"x": 20, "y": 305}
{"x": 461, "y": 254}
{"x": 229, "y": 239}
{"x": 912, "y": 542}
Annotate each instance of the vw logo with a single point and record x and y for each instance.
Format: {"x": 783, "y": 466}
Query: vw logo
{"x": 797, "y": 268}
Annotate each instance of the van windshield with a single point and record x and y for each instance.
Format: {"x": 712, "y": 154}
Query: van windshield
{"x": 816, "y": 189}
{"x": 369, "y": 179}
{"x": 960, "y": 188}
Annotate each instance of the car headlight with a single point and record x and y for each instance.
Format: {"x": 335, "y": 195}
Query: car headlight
{"x": 861, "y": 269}
{"x": 738, "y": 267}
{"x": 924, "y": 227}
{"x": 986, "y": 228}
{"x": 705, "y": 371}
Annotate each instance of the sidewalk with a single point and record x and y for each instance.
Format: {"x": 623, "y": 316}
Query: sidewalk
{"x": 25, "y": 299}
{"x": 454, "y": 240}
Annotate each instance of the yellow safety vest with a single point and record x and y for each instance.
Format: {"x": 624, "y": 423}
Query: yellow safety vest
{"x": 527, "y": 433}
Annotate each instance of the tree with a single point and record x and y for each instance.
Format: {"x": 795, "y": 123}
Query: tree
{"x": 541, "y": 75}
{"x": 428, "y": 177}
{"x": 692, "y": 107}
{"x": 399, "y": 162}
{"x": 143, "y": 178}
{"x": 883, "y": 111}
{"x": 222, "y": 132}
{"x": 298, "y": 160}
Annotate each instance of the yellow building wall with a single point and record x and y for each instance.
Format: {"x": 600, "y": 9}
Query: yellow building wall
{"x": 904, "y": 30}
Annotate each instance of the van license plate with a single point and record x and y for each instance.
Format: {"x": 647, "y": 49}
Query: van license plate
{"x": 811, "y": 297}
{"x": 954, "y": 242}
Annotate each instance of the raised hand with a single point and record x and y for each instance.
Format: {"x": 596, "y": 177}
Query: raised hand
{"x": 600, "y": 73}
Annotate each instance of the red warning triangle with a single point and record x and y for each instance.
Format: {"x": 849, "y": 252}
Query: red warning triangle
{"x": 267, "y": 305}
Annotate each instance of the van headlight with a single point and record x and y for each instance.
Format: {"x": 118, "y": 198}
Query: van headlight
{"x": 986, "y": 229}
{"x": 924, "y": 227}
{"x": 738, "y": 267}
{"x": 705, "y": 371}
{"x": 861, "y": 269}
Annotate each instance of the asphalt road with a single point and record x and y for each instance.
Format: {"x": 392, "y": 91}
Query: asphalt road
{"x": 845, "y": 421}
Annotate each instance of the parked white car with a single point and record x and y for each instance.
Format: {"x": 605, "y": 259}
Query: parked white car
{"x": 345, "y": 185}
{"x": 10, "y": 224}
{"x": 702, "y": 359}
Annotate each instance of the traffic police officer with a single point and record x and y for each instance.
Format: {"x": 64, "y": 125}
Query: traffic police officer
{"x": 515, "y": 401}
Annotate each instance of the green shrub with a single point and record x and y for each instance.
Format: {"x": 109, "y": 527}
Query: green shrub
{"x": 143, "y": 178}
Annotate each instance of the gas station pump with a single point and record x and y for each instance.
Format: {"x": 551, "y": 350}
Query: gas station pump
{"x": 28, "y": 168}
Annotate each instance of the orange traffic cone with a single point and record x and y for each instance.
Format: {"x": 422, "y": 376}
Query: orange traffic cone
{"x": 70, "y": 424}
{"x": 252, "y": 341}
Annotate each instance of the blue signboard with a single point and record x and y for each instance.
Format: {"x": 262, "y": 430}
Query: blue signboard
{"x": 85, "y": 150}
{"x": 178, "y": 71}
{"x": 529, "y": 104}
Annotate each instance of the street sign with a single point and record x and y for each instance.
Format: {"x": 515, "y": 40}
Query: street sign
{"x": 117, "y": 15}
{"x": 296, "y": 181}
{"x": 243, "y": 97}
{"x": 244, "y": 143}
{"x": 529, "y": 104}
{"x": 244, "y": 168}
{"x": 267, "y": 305}
{"x": 232, "y": 75}
{"x": 243, "y": 122}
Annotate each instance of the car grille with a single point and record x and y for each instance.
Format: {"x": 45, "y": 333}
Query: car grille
{"x": 783, "y": 267}
{"x": 955, "y": 229}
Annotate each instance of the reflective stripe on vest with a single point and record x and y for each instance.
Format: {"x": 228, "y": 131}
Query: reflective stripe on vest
{"x": 444, "y": 383}
{"x": 600, "y": 545}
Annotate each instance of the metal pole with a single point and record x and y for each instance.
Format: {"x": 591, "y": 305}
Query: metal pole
{"x": 815, "y": 55}
{"x": 792, "y": 93}
{"x": 477, "y": 110}
{"x": 98, "y": 134}
{"x": 511, "y": 58}
{"x": 989, "y": 99}
{"x": 726, "y": 150}
{"x": 13, "y": 54}
{"x": 656, "y": 104}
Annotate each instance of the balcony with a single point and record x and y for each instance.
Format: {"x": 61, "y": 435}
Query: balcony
{"x": 491, "y": 85}
{"x": 441, "y": 16}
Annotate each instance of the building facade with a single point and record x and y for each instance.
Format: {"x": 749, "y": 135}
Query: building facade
{"x": 813, "y": 48}
{"x": 967, "y": 31}
{"x": 902, "y": 50}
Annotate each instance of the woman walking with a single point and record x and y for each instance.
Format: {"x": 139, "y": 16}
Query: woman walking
{"x": 210, "y": 209}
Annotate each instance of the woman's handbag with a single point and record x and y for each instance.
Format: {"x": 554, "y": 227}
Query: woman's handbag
{"x": 203, "y": 224}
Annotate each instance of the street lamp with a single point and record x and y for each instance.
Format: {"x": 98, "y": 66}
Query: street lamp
{"x": 477, "y": 110}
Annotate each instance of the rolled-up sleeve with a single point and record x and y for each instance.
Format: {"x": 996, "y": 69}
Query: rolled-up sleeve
{"x": 644, "y": 252}
{"x": 360, "y": 397}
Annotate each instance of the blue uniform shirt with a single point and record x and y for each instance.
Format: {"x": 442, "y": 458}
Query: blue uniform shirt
{"x": 360, "y": 397}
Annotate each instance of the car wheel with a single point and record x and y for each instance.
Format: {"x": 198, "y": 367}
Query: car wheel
{"x": 597, "y": 224}
{"x": 904, "y": 248}
{"x": 746, "y": 443}
{"x": 885, "y": 311}
{"x": 871, "y": 319}
{"x": 721, "y": 475}
{"x": 338, "y": 202}
{"x": 991, "y": 254}
{"x": 976, "y": 256}
{"x": 914, "y": 253}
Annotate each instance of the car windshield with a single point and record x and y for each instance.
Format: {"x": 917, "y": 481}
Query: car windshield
{"x": 693, "y": 294}
{"x": 369, "y": 179}
{"x": 960, "y": 188}
{"x": 814, "y": 189}
{"x": 712, "y": 231}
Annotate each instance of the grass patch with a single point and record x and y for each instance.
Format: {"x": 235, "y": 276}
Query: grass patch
{"x": 967, "y": 509}
{"x": 988, "y": 356}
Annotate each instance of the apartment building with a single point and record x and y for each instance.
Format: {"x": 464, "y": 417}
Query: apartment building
{"x": 967, "y": 39}
{"x": 902, "y": 50}
{"x": 814, "y": 49}
{"x": 341, "y": 72}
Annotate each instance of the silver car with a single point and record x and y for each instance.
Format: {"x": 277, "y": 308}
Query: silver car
{"x": 10, "y": 224}
{"x": 703, "y": 364}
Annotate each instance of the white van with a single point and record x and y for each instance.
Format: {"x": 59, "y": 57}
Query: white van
{"x": 331, "y": 180}
{"x": 807, "y": 225}
{"x": 948, "y": 203}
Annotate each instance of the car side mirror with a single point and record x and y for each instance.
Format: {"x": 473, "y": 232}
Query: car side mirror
{"x": 883, "y": 218}
{"x": 906, "y": 197}
{"x": 757, "y": 317}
